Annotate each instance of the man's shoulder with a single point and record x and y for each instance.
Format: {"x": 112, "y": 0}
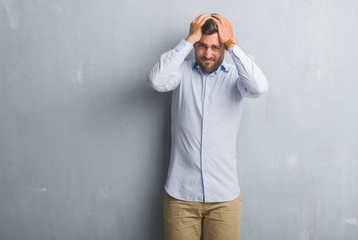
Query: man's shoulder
{"x": 227, "y": 66}
{"x": 188, "y": 64}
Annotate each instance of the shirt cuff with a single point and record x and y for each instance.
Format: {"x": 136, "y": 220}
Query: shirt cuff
{"x": 183, "y": 47}
{"x": 237, "y": 51}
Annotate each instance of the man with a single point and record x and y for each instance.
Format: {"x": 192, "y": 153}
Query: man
{"x": 202, "y": 191}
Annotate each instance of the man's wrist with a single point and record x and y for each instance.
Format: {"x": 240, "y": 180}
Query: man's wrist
{"x": 230, "y": 43}
{"x": 231, "y": 46}
{"x": 189, "y": 40}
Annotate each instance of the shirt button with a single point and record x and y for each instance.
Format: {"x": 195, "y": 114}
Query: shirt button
{"x": 206, "y": 112}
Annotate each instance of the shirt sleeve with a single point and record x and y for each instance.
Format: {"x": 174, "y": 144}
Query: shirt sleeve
{"x": 251, "y": 81}
{"x": 165, "y": 75}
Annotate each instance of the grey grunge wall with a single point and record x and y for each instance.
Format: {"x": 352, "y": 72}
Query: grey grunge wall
{"x": 85, "y": 142}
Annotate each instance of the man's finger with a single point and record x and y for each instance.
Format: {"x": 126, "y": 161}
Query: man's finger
{"x": 217, "y": 22}
{"x": 217, "y": 16}
{"x": 203, "y": 20}
{"x": 220, "y": 18}
{"x": 203, "y": 16}
{"x": 196, "y": 19}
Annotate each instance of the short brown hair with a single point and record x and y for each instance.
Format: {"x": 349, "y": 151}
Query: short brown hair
{"x": 209, "y": 27}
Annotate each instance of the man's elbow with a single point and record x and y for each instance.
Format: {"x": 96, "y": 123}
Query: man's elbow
{"x": 258, "y": 91}
{"x": 157, "y": 87}
{"x": 262, "y": 89}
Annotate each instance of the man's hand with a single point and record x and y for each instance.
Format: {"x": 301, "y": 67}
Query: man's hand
{"x": 195, "y": 28}
{"x": 224, "y": 28}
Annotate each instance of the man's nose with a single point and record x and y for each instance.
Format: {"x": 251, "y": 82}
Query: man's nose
{"x": 208, "y": 53}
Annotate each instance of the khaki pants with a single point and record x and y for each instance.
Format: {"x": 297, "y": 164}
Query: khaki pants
{"x": 190, "y": 220}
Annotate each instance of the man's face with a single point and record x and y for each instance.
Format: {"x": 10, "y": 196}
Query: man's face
{"x": 209, "y": 52}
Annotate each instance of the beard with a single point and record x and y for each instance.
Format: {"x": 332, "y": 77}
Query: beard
{"x": 206, "y": 66}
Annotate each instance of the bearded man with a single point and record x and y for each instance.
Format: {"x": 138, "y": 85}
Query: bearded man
{"x": 202, "y": 194}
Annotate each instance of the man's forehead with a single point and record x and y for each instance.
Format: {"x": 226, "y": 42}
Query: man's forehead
{"x": 211, "y": 44}
{"x": 212, "y": 39}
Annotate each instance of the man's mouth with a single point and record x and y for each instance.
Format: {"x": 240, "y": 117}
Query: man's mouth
{"x": 207, "y": 59}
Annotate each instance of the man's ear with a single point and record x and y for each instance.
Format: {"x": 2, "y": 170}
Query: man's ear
{"x": 226, "y": 51}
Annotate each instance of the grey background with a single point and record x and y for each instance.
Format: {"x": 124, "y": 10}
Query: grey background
{"x": 85, "y": 142}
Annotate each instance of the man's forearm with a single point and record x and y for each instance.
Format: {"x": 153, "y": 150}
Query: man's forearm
{"x": 252, "y": 80}
{"x": 162, "y": 76}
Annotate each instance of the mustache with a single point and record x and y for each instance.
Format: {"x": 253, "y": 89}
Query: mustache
{"x": 204, "y": 58}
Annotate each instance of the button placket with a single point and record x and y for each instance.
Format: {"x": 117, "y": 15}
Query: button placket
{"x": 204, "y": 135}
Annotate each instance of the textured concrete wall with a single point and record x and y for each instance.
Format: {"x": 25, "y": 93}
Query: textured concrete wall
{"x": 85, "y": 143}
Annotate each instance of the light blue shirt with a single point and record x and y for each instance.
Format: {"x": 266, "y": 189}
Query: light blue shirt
{"x": 205, "y": 117}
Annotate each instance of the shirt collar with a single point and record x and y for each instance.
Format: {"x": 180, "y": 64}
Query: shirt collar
{"x": 223, "y": 67}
